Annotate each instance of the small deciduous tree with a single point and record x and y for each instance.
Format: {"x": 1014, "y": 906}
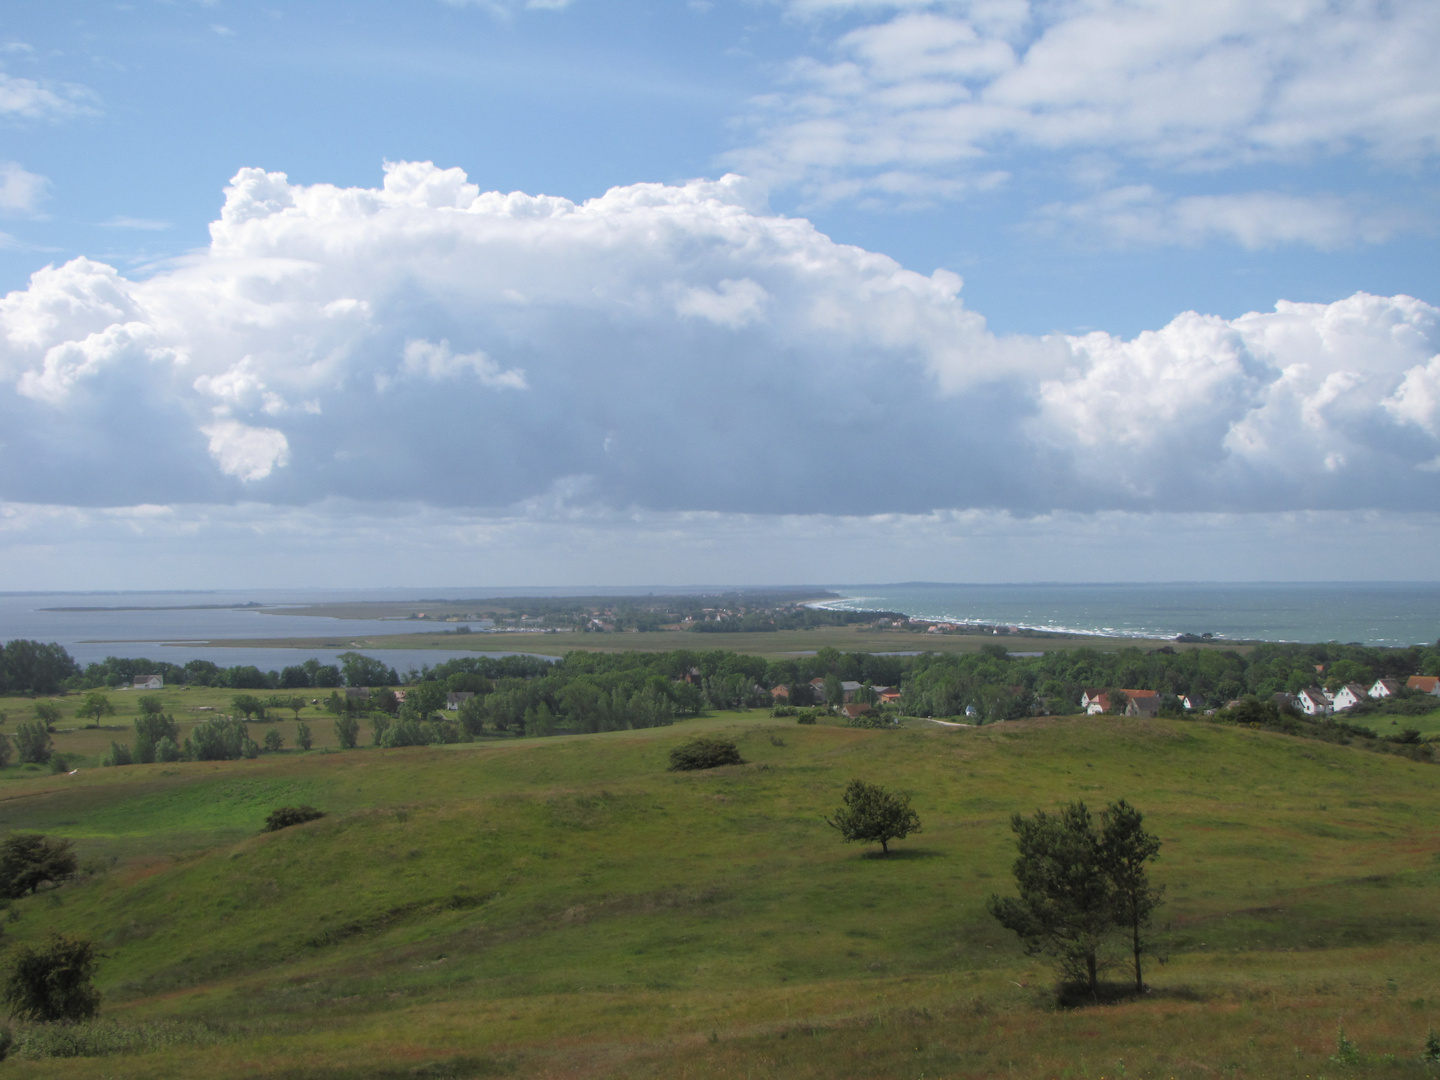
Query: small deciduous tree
{"x": 873, "y": 815}
{"x": 273, "y": 740}
{"x": 52, "y": 981}
{"x": 295, "y": 704}
{"x": 5, "y": 751}
{"x": 248, "y": 704}
{"x": 303, "y": 737}
{"x": 151, "y": 705}
{"x": 95, "y": 707}
{"x": 33, "y": 743}
{"x": 48, "y": 713}
{"x": 347, "y": 732}
{"x": 29, "y": 860}
{"x": 168, "y": 750}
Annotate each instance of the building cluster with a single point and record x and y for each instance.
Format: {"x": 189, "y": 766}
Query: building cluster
{"x": 1312, "y": 701}
{"x": 1315, "y": 701}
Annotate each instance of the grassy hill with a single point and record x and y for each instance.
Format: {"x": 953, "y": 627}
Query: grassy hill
{"x": 565, "y": 907}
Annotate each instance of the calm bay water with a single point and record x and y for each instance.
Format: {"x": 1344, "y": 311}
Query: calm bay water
{"x": 1387, "y": 613}
{"x": 1375, "y": 614}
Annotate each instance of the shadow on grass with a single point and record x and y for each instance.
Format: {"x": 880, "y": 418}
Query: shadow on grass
{"x": 903, "y": 854}
{"x": 1078, "y": 995}
{"x": 458, "y": 1068}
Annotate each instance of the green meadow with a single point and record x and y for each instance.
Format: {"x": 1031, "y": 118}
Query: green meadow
{"x": 566, "y": 907}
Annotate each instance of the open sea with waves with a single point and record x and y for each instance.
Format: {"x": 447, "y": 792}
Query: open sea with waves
{"x": 1385, "y": 613}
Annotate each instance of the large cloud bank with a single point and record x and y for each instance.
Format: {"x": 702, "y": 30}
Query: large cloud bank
{"x": 667, "y": 348}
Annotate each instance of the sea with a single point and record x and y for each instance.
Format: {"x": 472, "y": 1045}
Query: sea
{"x": 169, "y": 625}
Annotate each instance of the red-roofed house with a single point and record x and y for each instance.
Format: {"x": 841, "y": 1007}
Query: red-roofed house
{"x": 1426, "y": 684}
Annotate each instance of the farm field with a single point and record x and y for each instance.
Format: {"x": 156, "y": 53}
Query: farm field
{"x": 773, "y": 644}
{"x": 565, "y": 907}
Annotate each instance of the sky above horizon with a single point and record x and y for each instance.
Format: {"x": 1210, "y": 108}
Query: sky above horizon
{"x": 552, "y": 292}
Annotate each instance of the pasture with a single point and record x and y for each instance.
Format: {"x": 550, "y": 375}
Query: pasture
{"x": 566, "y": 907}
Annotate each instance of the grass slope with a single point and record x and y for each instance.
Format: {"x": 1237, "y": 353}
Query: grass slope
{"x": 566, "y": 907}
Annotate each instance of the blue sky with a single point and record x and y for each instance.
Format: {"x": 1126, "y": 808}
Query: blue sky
{"x": 990, "y": 291}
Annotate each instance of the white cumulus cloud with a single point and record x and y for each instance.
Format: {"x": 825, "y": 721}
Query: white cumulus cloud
{"x": 667, "y": 349}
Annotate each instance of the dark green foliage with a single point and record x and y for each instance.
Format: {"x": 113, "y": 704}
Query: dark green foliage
{"x": 220, "y": 739}
{"x": 95, "y": 707}
{"x": 347, "y": 732}
{"x": 1125, "y": 849}
{"x": 6, "y": 750}
{"x": 806, "y": 717}
{"x": 48, "y": 713}
{"x": 53, "y": 981}
{"x": 120, "y": 754}
{"x": 167, "y": 750}
{"x": 1430, "y": 1053}
{"x": 1066, "y": 906}
{"x": 286, "y": 816}
{"x": 873, "y": 815}
{"x": 29, "y": 860}
{"x": 33, "y": 743}
{"x": 273, "y": 740}
{"x": 872, "y": 719}
{"x": 361, "y": 670}
{"x": 704, "y": 753}
{"x": 150, "y": 728}
{"x": 1078, "y": 884}
{"x": 248, "y": 704}
{"x": 30, "y": 667}
{"x": 303, "y": 737}
{"x": 404, "y": 732}
{"x": 151, "y": 705}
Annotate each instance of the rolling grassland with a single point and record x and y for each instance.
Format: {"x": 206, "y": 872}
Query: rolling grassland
{"x": 566, "y": 907}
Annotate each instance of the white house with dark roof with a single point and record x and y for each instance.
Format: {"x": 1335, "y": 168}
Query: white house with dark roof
{"x": 149, "y": 682}
{"x": 1384, "y": 688}
{"x": 1350, "y": 695}
{"x": 1312, "y": 702}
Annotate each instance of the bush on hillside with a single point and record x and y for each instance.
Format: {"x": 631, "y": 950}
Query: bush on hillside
{"x": 704, "y": 753}
{"x": 52, "y": 981}
{"x": 286, "y": 816}
{"x": 29, "y": 860}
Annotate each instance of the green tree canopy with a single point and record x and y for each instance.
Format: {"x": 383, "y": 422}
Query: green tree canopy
{"x": 873, "y": 815}
{"x": 52, "y": 981}
{"x": 29, "y": 860}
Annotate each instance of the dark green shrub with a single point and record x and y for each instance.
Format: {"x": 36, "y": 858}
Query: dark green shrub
{"x": 347, "y": 732}
{"x": 167, "y": 751}
{"x": 119, "y": 755}
{"x": 53, "y": 981}
{"x": 273, "y": 740}
{"x": 302, "y": 736}
{"x": 291, "y": 815}
{"x": 704, "y": 753}
{"x": 221, "y": 739}
{"x": 404, "y": 732}
{"x": 34, "y": 743}
{"x": 28, "y": 860}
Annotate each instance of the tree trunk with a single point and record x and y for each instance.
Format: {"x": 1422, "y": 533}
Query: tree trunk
{"x": 1094, "y": 982}
{"x": 884, "y": 847}
{"x": 1135, "y": 941}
